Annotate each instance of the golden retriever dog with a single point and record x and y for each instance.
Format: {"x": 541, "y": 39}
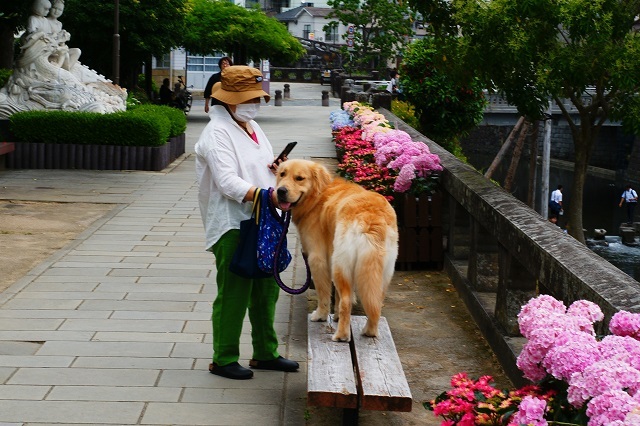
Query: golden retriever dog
{"x": 350, "y": 236}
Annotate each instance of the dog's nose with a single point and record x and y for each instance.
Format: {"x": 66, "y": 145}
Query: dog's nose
{"x": 282, "y": 193}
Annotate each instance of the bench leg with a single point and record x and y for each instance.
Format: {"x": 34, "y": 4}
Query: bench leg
{"x": 349, "y": 417}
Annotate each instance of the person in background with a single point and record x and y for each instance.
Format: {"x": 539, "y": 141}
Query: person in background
{"x": 233, "y": 160}
{"x": 223, "y": 63}
{"x": 392, "y": 87}
{"x": 555, "y": 204}
{"x": 631, "y": 198}
{"x": 166, "y": 95}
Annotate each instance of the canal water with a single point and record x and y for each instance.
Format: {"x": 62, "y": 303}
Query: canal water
{"x": 600, "y": 208}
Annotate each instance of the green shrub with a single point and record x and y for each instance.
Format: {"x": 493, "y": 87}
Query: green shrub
{"x": 405, "y": 112}
{"x": 4, "y": 76}
{"x": 176, "y": 116}
{"x": 122, "y": 128}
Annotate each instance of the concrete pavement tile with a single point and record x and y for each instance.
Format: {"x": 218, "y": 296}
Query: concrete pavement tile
{"x": 135, "y": 363}
{"x": 21, "y": 361}
{"x": 113, "y": 265}
{"x": 45, "y": 335}
{"x": 212, "y": 414}
{"x": 78, "y": 295}
{"x": 190, "y": 272}
{"x": 134, "y": 305}
{"x": 188, "y": 261}
{"x": 133, "y": 349}
{"x": 187, "y": 316}
{"x": 173, "y": 248}
{"x": 203, "y": 326}
{"x": 51, "y": 412}
{"x": 161, "y": 295}
{"x": 150, "y": 288}
{"x": 37, "y": 304}
{"x": 90, "y": 272}
{"x": 232, "y": 396}
{"x": 114, "y": 393}
{"x": 5, "y": 373}
{"x": 148, "y": 326}
{"x": 35, "y": 393}
{"x": 110, "y": 336}
{"x": 84, "y": 377}
{"x": 89, "y": 281}
{"x": 51, "y": 313}
{"x": 262, "y": 379}
{"x": 29, "y": 324}
{"x": 62, "y": 287}
{"x": 80, "y": 256}
{"x": 191, "y": 350}
{"x": 175, "y": 280}
{"x": 202, "y": 265}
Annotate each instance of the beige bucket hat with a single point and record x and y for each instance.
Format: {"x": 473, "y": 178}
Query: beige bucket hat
{"x": 238, "y": 84}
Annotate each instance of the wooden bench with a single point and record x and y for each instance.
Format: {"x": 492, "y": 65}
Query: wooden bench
{"x": 365, "y": 373}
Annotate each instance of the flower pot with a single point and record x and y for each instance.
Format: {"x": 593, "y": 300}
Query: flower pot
{"x": 420, "y": 229}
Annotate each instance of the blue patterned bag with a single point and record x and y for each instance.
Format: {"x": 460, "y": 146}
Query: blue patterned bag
{"x": 259, "y": 236}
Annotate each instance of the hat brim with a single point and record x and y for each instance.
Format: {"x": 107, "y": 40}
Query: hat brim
{"x": 236, "y": 98}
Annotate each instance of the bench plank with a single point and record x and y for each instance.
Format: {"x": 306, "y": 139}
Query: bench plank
{"x": 327, "y": 385}
{"x": 381, "y": 377}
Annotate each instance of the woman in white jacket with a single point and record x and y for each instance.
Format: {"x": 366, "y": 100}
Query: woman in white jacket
{"x": 234, "y": 159}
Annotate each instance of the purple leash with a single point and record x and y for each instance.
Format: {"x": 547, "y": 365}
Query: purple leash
{"x": 276, "y": 274}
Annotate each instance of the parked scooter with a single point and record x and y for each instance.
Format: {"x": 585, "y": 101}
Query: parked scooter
{"x": 182, "y": 97}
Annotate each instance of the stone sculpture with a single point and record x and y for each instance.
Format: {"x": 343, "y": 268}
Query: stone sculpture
{"x": 47, "y": 74}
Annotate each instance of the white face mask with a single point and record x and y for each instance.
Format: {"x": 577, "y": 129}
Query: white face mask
{"x": 246, "y": 112}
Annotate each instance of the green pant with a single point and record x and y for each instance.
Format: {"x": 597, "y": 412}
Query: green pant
{"x": 235, "y": 296}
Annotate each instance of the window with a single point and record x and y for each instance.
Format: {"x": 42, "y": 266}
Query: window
{"x": 208, "y": 64}
{"x": 331, "y": 35}
{"x": 164, "y": 61}
{"x": 306, "y": 31}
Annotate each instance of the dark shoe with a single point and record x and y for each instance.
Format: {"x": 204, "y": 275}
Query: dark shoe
{"x": 231, "y": 371}
{"x": 279, "y": 364}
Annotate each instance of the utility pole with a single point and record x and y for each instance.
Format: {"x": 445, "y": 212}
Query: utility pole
{"x": 116, "y": 43}
{"x": 546, "y": 160}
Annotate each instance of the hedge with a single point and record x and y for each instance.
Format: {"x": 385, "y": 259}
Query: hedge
{"x": 148, "y": 125}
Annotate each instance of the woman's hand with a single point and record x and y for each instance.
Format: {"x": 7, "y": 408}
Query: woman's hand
{"x": 274, "y": 166}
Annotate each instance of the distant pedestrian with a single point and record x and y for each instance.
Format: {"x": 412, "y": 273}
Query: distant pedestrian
{"x": 631, "y": 197}
{"x": 555, "y": 204}
{"x": 223, "y": 63}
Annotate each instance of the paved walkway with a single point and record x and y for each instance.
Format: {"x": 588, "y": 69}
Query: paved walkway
{"x": 114, "y": 328}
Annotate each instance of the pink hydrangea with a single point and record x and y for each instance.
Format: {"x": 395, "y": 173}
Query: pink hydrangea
{"x": 623, "y": 348}
{"x": 405, "y": 178}
{"x": 610, "y": 406}
{"x": 530, "y": 412}
{"x": 586, "y": 309}
{"x": 625, "y": 323}
{"x": 571, "y": 353}
{"x": 537, "y": 309}
{"x": 600, "y": 377}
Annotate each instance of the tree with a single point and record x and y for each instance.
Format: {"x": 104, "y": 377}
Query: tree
{"x": 13, "y": 17}
{"x": 147, "y": 28}
{"x": 381, "y": 29}
{"x": 538, "y": 51}
{"x": 216, "y": 25}
{"x": 448, "y": 104}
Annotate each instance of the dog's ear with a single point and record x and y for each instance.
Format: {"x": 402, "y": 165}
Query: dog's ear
{"x": 322, "y": 176}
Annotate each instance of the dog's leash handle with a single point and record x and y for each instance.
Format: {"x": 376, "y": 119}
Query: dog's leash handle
{"x": 276, "y": 274}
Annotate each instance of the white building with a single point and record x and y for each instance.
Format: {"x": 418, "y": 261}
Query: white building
{"x": 307, "y": 21}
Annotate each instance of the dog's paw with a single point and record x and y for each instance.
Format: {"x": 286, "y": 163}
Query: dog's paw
{"x": 341, "y": 338}
{"x": 370, "y": 333}
{"x": 316, "y": 316}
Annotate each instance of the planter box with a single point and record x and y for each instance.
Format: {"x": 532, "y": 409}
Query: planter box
{"x": 420, "y": 229}
{"x": 37, "y": 155}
